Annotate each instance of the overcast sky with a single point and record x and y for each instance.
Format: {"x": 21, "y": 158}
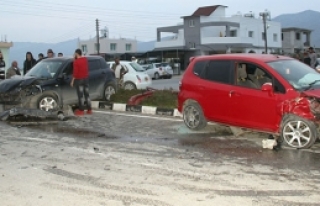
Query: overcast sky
{"x": 60, "y": 20}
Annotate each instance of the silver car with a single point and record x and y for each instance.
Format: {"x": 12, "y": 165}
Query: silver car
{"x": 159, "y": 70}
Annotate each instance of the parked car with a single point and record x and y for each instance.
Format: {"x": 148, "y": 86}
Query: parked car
{"x": 136, "y": 78}
{"x": 318, "y": 64}
{"x": 266, "y": 93}
{"x": 159, "y": 70}
{"x": 47, "y": 85}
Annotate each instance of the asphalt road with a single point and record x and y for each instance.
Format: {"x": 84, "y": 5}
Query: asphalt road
{"x": 167, "y": 83}
{"x": 123, "y": 159}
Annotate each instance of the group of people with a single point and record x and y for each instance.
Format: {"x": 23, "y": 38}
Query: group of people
{"x": 29, "y": 62}
{"x": 310, "y": 58}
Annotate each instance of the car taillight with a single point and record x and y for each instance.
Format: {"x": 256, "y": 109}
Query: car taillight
{"x": 138, "y": 78}
{"x": 180, "y": 85}
{"x": 160, "y": 68}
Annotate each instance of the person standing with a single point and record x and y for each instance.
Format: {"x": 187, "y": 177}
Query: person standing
{"x": 2, "y": 67}
{"x": 13, "y": 70}
{"x": 313, "y": 57}
{"x": 28, "y": 63}
{"x": 306, "y": 58}
{"x": 80, "y": 81}
{"x": 60, "y": 54}
{"x": 50, "y": 53}
{"x": 119, "y": 71}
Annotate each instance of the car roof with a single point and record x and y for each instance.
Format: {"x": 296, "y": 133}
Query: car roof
{"x": 248, "y": 57}
{"x": 69, "y": 58}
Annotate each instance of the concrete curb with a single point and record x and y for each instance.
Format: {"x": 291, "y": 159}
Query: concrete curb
{"x": 136, "y": 108}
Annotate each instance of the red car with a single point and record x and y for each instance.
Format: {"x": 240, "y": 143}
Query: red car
{"x": 266, "y": 93}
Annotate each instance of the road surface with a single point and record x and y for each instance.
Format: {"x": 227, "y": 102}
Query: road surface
{"x": 167, "y": 83}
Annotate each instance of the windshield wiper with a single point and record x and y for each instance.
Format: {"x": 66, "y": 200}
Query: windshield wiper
{"x": 311, "y": 84}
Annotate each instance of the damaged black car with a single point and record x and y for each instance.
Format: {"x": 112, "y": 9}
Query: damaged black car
{"x": 46, "y": 87}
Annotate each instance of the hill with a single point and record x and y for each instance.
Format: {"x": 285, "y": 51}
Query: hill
{"x": 308, "y": 19}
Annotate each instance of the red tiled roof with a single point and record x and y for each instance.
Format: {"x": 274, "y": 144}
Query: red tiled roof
{"x": 205, "y": 11}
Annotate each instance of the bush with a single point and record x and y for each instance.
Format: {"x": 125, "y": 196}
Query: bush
{"x": 123, "y": 96}
{"x": 163, "y": 98}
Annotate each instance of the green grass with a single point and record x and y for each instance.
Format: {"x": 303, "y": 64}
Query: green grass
{"x": 165, "y": 99}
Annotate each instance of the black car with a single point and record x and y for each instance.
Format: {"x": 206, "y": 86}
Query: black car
{"x": 47, "y": 85}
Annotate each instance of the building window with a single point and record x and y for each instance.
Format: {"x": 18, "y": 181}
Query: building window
{"x": 113, "y": 47}
{"x": 250, "y": 34}
{"x": 233, "y": 33}
{"x": 263, "y": 36}
{"x": 128, "y": 47}
{"x": 275, "y": 37}
{"x": 298, "y": 36}
{"x": 96, "y": 47}
{"x": 84, "y": 48}
{"x": 192, "y": 45}
{"x": 282, "y": 36}
{"x": 191, "y": 23}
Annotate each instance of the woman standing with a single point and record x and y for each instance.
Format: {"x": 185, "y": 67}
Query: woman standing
{"x": 28, "y": 63}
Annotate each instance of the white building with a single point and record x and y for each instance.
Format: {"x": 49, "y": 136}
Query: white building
{"x": 108, "y": 45}
{"x": 295, "y": 40}
{"x": 208, "y": 30}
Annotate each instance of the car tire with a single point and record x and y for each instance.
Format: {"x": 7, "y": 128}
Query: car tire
{"x": 48, "y": 102}
{"x": 129, "y": 86}
{"x": 156, "y": 75}
{"x": 108, "y": 91}
{"x": 193, "y": 116}
{"x": 298, "y": 132}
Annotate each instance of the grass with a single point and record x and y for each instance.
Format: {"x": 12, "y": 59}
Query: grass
{"x": 165, "y": 99}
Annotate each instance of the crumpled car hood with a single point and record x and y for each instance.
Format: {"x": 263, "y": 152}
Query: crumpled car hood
{"x": 8, "y": 85}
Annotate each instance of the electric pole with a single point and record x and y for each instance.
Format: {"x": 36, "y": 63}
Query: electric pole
{"x": 98, "y": 37}
{"x": 264, "y": 18}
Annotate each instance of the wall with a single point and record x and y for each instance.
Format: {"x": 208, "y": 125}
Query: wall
{"x": 105, "y": 46}
{"x": 5, "y": 53}
{"x": 192, "y": 34}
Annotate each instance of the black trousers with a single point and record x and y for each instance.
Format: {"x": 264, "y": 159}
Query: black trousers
{"x": 82, "y": 87}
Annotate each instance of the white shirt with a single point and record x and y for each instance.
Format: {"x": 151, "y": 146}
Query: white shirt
{"x": 117, "y": 71}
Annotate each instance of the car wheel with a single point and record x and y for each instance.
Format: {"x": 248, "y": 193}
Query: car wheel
{"x": 47, "y": 102}
{"x": 108, "y": 91}
{"x": 129, "y": 86}
{"x": 298, "y": 132}
{"x": 156, "y": 76}
{"x": 193, "y": 116}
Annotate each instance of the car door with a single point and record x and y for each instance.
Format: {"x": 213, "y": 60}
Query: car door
{"x": 254, "y": 108}
{"x": 96, "y": 77}
{"x": 215, "y": 86}
{"x": 68, "y": 93}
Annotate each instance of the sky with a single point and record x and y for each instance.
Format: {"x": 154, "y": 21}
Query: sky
{"x": 60, "y": 20}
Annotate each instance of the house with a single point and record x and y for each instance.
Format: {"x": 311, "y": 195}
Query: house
{"x": 5, "y": 48}
{"x": 294, "y": 39}
{"x": 108, "y": 46}
{"x": 208, "y": 30}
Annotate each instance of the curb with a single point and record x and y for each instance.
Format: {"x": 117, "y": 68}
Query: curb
{"x": 136, "y": 108}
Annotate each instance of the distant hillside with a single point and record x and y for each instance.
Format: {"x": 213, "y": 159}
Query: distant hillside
{"x": 307, "y": 19}
{"x": 19, "y": 49}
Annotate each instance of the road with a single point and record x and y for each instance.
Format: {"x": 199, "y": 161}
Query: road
{"x": 121, "y": 159}
{"x": 167, "y": 83}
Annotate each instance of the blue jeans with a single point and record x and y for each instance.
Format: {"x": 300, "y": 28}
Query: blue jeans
{"x": 82, "y": 87}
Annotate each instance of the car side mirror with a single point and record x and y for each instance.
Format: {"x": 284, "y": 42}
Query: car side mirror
{"x": 267, "y": 87}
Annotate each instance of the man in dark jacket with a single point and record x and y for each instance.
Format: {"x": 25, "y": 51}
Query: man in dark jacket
{"x": 28, "y": 63}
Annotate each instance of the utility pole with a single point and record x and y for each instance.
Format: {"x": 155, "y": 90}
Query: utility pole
{"x": 264, "y": 18}
{"x": 98, "y": 37}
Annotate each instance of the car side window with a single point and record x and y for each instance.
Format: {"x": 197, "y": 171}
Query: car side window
{"x": 68, "y": 70}
{"x": 199, "y": 67}
{"x": 219, "y": 71}
{"x": 103, "y": 64}
{"x": 278, "y": 87}
{"x": 94, "y": 65}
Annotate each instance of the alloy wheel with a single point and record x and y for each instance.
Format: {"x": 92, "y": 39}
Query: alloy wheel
{"x": 191, "y": 117}
{"x": 297, "y": 134}
{"x": 108, "y": 92}
{"x": 48, "y": 104}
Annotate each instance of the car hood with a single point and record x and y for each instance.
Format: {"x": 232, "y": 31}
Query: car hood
{"x": 8, "y": 85}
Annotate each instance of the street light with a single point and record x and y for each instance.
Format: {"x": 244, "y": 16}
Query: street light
{"x": 264, "y": 15}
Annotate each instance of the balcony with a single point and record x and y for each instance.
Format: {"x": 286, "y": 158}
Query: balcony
{"x": 226, "y": 40}
{"x": 170, "y": 43}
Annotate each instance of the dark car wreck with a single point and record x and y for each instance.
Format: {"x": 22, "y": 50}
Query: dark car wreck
{"x": 45, "y": 90}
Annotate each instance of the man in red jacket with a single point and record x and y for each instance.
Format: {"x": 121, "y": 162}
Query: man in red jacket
{"x": 80, "y": 80}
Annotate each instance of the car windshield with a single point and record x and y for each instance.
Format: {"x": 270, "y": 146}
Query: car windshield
{"x": 45, "y": 69}
{"x": 165, "y": 64}
{"x": 137, "y": 67}
{"x": 298, "y": 74}
{"x": 157, "y": 65}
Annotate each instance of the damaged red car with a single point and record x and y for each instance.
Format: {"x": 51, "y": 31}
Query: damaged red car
{"x": 266, "y": 93}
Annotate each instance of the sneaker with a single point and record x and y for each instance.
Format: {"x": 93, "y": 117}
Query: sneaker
{"x": 89, "y": 112}
{"x": 79, "y": 112}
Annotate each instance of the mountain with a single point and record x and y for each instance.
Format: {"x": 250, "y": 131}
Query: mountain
{"x": 19, "y": 49}
{"x": 308, "y": 19}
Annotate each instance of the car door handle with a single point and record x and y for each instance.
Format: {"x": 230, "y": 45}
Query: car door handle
{"x": 234, "y": 93}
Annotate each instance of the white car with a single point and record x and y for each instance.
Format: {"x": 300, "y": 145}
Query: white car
{"x": 136, "y": 78}
{"x": 159, "y": 70}
{"x": 318, "y": 64}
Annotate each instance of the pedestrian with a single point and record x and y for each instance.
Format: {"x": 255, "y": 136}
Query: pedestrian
{"x": 13, "y": 70}
{"x": 306, "y": 58}
{"x": 40, "y": 57}
{"x": 2, "y": 66}
{"x": 28, "y": 63}
{"x": 80, "y": 81}
{"x": 60, "y": 54}
{"x": 50, "y": 53}
{"x": 313, "y": 57}
{"x": 119, "y": 71}
{"x": 133, "y": 59}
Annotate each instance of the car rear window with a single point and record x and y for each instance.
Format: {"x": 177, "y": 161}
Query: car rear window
{"x": 94, "y": 64}
{"x": 220, "y": 71}
{"x": 199, "y": 67}
{"x": 165, "y": 64}
{"x": 157, "y": 65}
